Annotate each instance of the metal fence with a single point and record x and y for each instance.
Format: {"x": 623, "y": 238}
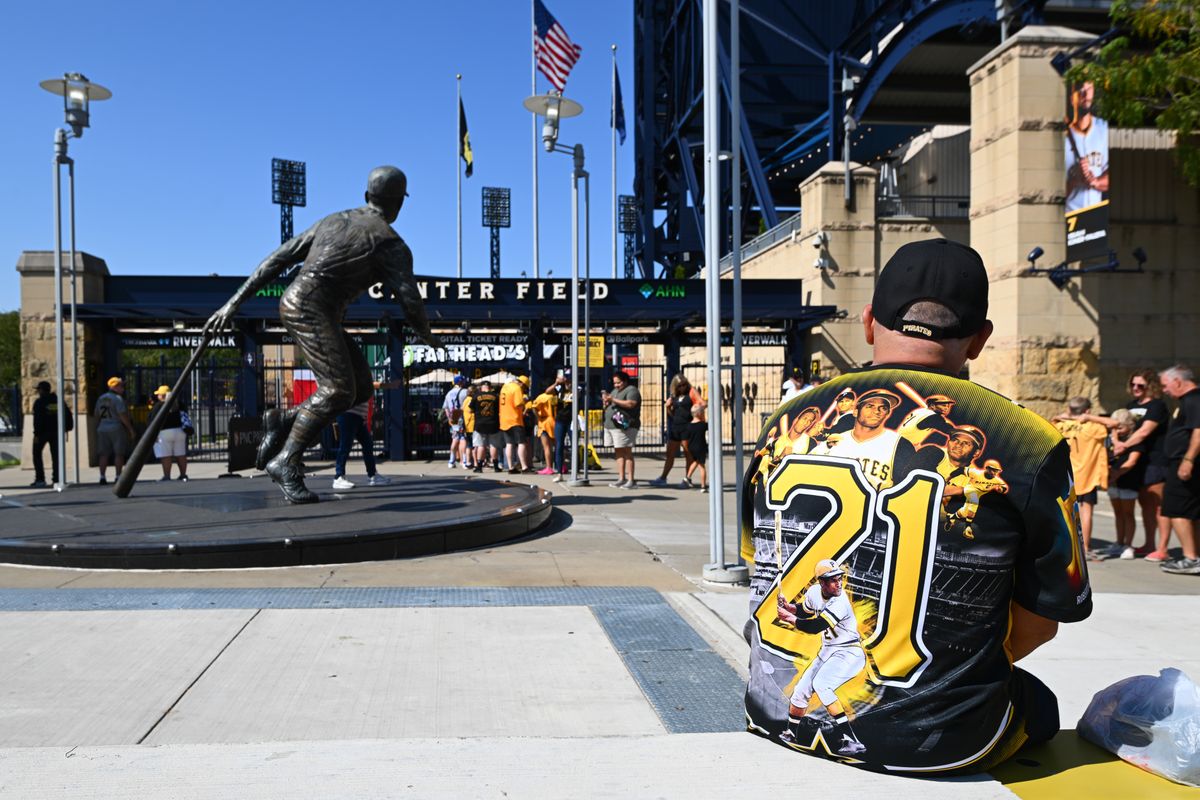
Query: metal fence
{"x": 923, "y": 206}
{"x": 209, "y": 397}
{"x": 285, "y": 385}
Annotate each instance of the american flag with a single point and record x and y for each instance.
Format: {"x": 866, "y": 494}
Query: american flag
{"x": 554, "y": 50}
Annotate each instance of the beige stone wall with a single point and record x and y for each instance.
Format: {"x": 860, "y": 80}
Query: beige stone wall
{"x": 1046, "y": 344}
{"x": 38, "y": 357}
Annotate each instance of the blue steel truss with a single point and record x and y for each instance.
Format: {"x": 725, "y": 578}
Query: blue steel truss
{"x": 794, "y": 58}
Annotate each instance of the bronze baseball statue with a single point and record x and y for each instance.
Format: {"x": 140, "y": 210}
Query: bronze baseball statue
{"x": 343, "y": 255}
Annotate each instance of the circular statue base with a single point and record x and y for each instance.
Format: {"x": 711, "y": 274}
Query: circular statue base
{"x": 231, "y": 523}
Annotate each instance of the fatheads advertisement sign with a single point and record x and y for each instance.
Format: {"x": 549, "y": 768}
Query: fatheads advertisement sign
{"x": 471, "y": 348}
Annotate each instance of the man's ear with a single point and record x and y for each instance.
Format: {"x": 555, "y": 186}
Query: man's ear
{"x": 979, "y": 340}
{"x": 868, "y": 320}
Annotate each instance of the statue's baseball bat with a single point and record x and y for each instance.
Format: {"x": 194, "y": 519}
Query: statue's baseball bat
{"x": 145, "y": 445}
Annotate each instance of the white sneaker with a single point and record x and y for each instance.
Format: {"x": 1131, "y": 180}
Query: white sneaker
{"x": 341, "y": 484}
{"x": 379, "y": 480}
{"x": 450, "y": 464}
{"x": 1127, "y": 554}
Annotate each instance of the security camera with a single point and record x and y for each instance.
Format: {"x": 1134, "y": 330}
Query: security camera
{"x": 1034, "y": 255}
{"x": 821, "y": 240}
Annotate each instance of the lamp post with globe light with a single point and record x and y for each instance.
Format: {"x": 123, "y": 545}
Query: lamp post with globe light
{"x": 77, "y": 93}
{"x": 554, "y": 107}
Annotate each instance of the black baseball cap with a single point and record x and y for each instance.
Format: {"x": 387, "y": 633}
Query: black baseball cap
{"x": 936, "y": 270}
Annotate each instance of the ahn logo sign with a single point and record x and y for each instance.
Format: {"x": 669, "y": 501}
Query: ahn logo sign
{"x": 671, "y": 291}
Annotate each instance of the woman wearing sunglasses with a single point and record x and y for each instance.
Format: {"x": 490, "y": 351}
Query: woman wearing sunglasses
{"x": 1152, "y": 415}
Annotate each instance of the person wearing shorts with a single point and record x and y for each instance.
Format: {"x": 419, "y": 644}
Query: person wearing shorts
{"x": 622, "y": 431}
{"x": 171, "y": 444}
{"x": 1126, "y": 473}
{"x": 1181, "y": 494}
{"x": 678, "y": 408}
{"x": 486, "y": 438}
{"x": 1089, "y": 463}
{"x": 114, "y": 431}
{"x": 512, "y": 424}
{"x": 452, "y": 406}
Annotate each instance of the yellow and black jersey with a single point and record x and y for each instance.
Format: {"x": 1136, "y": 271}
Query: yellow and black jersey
{"x": 942, "y": 521}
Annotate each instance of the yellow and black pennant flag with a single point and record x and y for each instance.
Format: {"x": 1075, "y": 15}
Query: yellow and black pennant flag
{"x": 464, "y": 141}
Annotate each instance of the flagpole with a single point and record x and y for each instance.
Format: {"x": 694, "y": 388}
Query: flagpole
{"x": 533, "y": 86}
{"x": 612, "y": 118}
{"x": 458, "y": 153}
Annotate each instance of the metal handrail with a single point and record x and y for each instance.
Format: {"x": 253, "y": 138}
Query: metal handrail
{"x": 764, "y": 241}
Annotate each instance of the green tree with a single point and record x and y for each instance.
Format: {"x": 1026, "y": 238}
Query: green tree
{"x": 10, "y": 348}
{"x": 1151, "y": 73}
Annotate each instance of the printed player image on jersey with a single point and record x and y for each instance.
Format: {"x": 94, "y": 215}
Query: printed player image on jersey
{"x": 891, "y": 518}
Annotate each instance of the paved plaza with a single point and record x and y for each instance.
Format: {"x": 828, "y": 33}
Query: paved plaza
{"x": 588, "y": 660}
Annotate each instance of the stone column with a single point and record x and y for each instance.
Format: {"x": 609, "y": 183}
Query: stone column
{"x": 38, "y": 358}
{"x": 851, "y": 253}
{"x": 1046, "y": 345}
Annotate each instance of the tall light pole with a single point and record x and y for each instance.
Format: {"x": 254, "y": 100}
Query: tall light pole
{"x": 77, "y": 93}
{"x": 716, "y": 570}
{"x": 555, "y": 107}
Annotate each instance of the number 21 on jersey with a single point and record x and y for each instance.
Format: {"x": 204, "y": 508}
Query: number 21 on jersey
{"x": 907, "y": 515}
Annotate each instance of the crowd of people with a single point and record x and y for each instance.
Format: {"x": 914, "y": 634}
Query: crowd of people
{"x": 1143, "y": 457}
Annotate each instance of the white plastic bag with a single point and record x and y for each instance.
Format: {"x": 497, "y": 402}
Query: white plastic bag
{"x": 1151, "y": 722}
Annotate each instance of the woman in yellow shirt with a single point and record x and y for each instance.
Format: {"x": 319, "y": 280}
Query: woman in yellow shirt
{"x": 545, "y": 406}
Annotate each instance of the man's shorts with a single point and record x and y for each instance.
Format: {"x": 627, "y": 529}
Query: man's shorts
{"x": 112, "y": 443}
{"x": 1181, "y": 499}
{"x": 171, "y": 442}
{"x": 516, "y": 435}
{"x": 1117, "y": 493}
{"x": 1154, "y": 474}
{"x": 620, "y": 439}
{"x": 457, "y": 432}
{"x": 487, "y": 439}
{"x": 1088, "y": 497}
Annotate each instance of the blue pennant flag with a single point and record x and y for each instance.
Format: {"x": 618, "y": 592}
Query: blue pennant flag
{"x": 617, "y": 116}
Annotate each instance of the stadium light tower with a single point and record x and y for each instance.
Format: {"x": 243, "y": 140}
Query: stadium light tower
{"x": 628, "y": 224}
{"x": 288, "y": 189}
{"x": 77, "y": 93}
{"x": 497, "y": 214}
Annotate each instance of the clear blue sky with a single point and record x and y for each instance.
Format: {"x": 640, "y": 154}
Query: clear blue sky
{"x": 173, "y": 176}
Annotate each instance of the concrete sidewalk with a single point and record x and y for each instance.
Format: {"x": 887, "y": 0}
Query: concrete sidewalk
{"x": 590, "y": 660}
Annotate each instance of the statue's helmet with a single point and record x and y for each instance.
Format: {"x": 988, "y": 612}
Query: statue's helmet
{"x": 387, "y": 183}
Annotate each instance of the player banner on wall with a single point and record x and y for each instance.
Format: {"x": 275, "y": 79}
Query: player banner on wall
{"x": 1086, "y": 150}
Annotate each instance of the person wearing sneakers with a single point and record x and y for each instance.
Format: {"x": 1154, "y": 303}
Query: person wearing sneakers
{"x": 114, "y": 431}
{"x": 171, "y": 444}
{"x": 678, "y": 407}
{"x": 697, "y": 447}
{"x": 512, "y": 424}
{"x": 488, "y": 441}
{"x": 1126, "y": 474}
{"x": 545, "y": 408}
{"x": 564, "y": 423}
{"x": 622, "y": 421}
{"x": 452, "y": 407}
{"x": 354, "y": 425}
{"x": 1181, "y": 495}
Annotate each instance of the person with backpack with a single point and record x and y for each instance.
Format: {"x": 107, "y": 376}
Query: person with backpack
{"x": 452, "y": 408}
{"x": 171, "y": 444}
{"x": 45, "y": 432}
